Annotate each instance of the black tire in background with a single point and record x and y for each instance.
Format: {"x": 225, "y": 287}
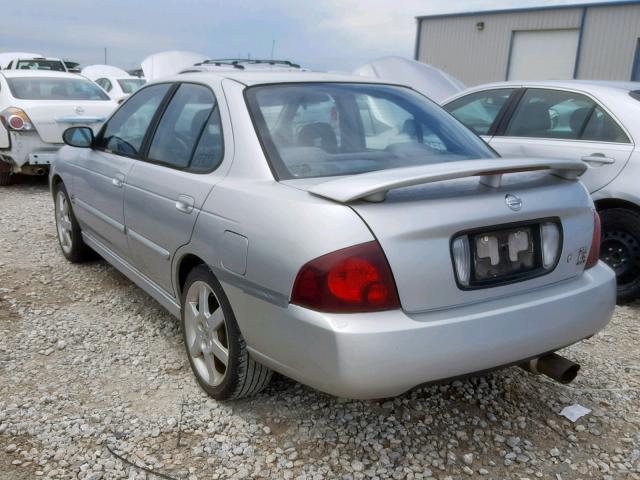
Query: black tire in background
{"x": 243, "y": 376}
{"x": 620, "y": 249}
{"x": 5, "y": 179}
{"x": 77, "y": 251}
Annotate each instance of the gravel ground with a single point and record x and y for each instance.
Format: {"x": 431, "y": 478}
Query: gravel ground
{"x": 89, "y": 363}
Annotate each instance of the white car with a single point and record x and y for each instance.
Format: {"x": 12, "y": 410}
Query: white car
{"x": 36, "y": 107}
{"x": 595, "y": 122}
{"x": 115, "y": 81}
{"x": 36, "y": 63}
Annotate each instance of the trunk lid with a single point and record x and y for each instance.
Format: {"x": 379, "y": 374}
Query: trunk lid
{"x": 417, "y": 222}
{"x": 51, "y": 118}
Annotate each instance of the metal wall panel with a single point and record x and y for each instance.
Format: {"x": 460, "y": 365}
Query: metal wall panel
{"x": 609, "y": 41}
{"x": 455, "y": 44}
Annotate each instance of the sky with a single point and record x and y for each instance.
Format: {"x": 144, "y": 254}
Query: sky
{"x": 323, "y": 34}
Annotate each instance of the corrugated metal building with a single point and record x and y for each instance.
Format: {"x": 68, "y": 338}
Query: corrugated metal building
{"x": 589, "y": 41}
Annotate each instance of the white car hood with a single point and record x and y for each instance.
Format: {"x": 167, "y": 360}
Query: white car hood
{"x": 169, "y": 63}
{"x": 430, "y": 81}
{"x": 93, "y": 72}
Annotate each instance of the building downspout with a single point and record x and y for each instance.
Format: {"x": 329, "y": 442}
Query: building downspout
{"x": 416, "y": 49}
{"x": 579, "y": 49}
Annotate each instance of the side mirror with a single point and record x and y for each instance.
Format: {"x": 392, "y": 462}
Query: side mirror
{"x": 81, "y": 137}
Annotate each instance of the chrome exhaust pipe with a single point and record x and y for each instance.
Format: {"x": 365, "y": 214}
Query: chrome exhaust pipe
{"x": 553, "y": 366}
{"x": 40, "y": 171}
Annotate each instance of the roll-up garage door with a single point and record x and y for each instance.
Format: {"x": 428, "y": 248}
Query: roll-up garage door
{"x": 543, "y": 54}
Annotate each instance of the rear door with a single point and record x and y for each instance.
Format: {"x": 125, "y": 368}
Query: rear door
{"x": 482, "y": 111}
{"x": 165, "y": 192}
{"x": 100, "y": 173}
{"x": 563, "y": 124}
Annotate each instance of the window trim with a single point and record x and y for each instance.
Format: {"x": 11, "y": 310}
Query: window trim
{"x": 153, "y": 126}
{"x": 161, "y": 106}
{"x": 597, "y": 103}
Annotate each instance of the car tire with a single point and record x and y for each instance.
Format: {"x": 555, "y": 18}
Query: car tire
{"x": 211, "y": 335}
{"x": 5, "y": 179}
{"x": 67, "y": 228}
{"x": 620, "y": 249}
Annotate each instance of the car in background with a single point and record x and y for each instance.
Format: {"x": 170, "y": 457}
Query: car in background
{"x": 36, "y": 107}
{"x": 37, "y": 63}
{"x": 113, "y": 80}
{"x": 595, "y": 122}
{"x": 288, "y": 232}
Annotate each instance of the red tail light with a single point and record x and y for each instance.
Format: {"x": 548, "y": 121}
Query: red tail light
{"x": 594, "y": 252}
{"x": 354, "y": 279}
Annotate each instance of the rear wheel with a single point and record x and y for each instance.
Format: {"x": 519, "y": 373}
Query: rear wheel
{"x": 68, "y": 229}
{"x": 620, "y": 249}
{"x": 216, "y": 350}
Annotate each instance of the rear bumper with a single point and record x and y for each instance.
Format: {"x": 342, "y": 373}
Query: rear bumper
{"x": 27, "y": 148}
{"x": 385, "y": 354}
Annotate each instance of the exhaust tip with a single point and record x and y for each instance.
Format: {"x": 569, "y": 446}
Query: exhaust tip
{"x": 554, "y": 366}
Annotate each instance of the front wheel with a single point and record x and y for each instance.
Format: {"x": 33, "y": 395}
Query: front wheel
{"x": 216, "y": 350}
{"x": 67, "y": 227}
{"x": 620, "y": 249}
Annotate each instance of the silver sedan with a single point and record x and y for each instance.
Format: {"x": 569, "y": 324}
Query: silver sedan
{"x": 348, "y": 234}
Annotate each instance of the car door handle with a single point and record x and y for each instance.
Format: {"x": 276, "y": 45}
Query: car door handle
{"x": 598, "y": 159}
{"x": 184, "y": 204}
{"x": 118, "y": 180}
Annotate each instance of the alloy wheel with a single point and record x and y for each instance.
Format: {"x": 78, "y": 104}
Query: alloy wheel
{"x": 206, "y": 334}
{"x": 63, "y": 222}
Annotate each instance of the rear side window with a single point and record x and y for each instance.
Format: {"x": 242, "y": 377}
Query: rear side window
{"x": 51, "y": 88}
{"x": 479, "y": 110}
{"x": 556, "y": 114}
{"x": 130, "y": 85}
{"x": 125, "y": 131}
{"x": 181, "y": 126}
{"x": 105, "y": 83}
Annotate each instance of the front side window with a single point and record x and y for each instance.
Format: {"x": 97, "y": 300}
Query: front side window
{"x": 125, "y": 131}
{"x": 479, "y": 110}
{"x": 181, "y": 125}
{"x": 51, "y": 88}
{"x": 327, "y": 129}
{"x": 556, "y": 114}
{"x": 130, "y": 85}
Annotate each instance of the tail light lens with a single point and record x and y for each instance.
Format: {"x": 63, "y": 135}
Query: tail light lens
{"x": 354, "y": 279}
{"x": 462, "y": 259}
{"x": 15, "y": 119}
{"x": 594, "y": 252}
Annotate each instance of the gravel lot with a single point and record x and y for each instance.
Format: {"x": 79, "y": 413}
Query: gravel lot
{"x": 89, "y": 362}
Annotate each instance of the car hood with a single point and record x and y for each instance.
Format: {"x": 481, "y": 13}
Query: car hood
{"x": 165, "y": 64}
{"x": 429, "y": 81}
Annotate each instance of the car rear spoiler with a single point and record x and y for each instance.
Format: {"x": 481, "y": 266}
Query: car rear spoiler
{"x": 373, "y": 186}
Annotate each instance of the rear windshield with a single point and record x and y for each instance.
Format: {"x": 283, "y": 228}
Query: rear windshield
{"x": 55, "y": 65}
{"x": 130, "y": 85}
{"x": 326, "y": 129}
{"x": 43, "y": 88}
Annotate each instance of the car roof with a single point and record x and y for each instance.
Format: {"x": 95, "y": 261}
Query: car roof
{"x": 254, "y": 77}
{"x": 38, "y": 73}
{"x": 591, "y": 85}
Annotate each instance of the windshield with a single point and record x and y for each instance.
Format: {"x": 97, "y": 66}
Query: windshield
{"x": 130, "y": 85}
{"x": 55, "y": 65}
{"x": 44, "y": 88}
{"x": 326, "y": 129}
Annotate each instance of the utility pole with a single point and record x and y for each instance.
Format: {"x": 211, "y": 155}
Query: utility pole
{"x": 273, "y": 47}
{"x": 105, "y": 56}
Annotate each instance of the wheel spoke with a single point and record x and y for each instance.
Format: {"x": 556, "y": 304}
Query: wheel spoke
{"x": 195, "y": 347}
{"x": 203, "y": 300}
{"x": 220, "y": 352}
{"x": 192, "y": 310}
{"x": 211, "y": 369}
{"x": 215, "y": 320}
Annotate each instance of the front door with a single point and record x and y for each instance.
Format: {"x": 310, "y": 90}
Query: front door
{"x": 165, "y": 192}
{"x": 100, "y": 173}
{"x": 563, "y": 124}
